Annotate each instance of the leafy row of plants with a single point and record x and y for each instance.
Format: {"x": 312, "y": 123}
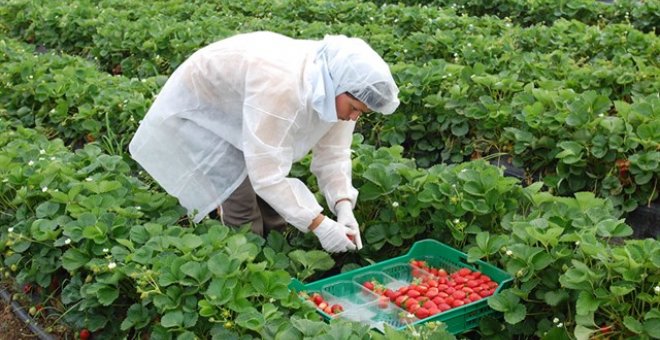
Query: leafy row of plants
{"x": 575, "y": 140}
{"x": 461, "y": 132}
{"x": 576, "y": 272}
{"x": 113, "y": 242}
{"x": 112, "y": 256}
{"x": 70, "y": 98}
{"x": 134, "y": 39}
{"x": 643, "y": 14}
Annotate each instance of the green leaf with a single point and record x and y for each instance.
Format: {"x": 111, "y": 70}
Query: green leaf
{"x": 613, "y": 228}
{"x": 239, "y": 248}
{"x": 508, "y": 303}
{"x": 187, "y": 335}
{"x": 107, "y": 294}
{"x": 47, "y": 209}
{"x": 554, "y": 298}
{"x": 71, "y": 290}
{"x": 621, "y": 290}
{"x": 251, "y": 320}
{"x": 74, "y": 259}
{"x": 586, "y": 303}
{"x": 547, "y": 236}
{"x": 309, "y": 328}
{"x": 44, "y": 230}
{"x": 652, "y": 327}
{"x": 206, "y": 309}
{"x": 475, "y": 254}
{"x": 460, "y": 129}
{"x": 516, "y": 314}
{"x": 189, "y": 242}
{"x": 196, "y": 270}
{"x": 143, "y": 255}
{"x": 385, "y": 178}
{"x": 58, "y": 197}
{"x": 314, "y": 259}
{"x": 541, "y": 260}
{"x": 172, "y": 319}
{"x": 581, "y": 277}
{"x": 126, "y": 243}
{"x": 276, "y": 260}
{"x": 271, "y": 284}
{"x": 633, "y": 324}
{"x": 221, "y": 290}
{"x": 583, "y": 333}
{"x": 222, "y": 266}
{"x": 137, "y": 316}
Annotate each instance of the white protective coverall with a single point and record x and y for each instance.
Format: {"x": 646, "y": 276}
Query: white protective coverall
{"x": 252, "y": 105}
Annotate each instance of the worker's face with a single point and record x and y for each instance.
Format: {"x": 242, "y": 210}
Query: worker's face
{"x": 349, "y": 108}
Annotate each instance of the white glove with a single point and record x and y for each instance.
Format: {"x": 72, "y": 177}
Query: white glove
{"x": 345, "y": 216}
{"x": 334, "y": 236}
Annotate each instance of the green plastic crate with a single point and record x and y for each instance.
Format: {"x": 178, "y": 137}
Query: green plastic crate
{"x": 361, "y": 306}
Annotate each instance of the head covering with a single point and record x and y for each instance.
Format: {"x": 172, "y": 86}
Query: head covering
{"x": 351, "y": 65}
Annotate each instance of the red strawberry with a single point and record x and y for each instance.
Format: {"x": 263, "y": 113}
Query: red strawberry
{"x": 337, "y": 308}
{"x": 422, "y": 313}
{"x": 383, "y": 302}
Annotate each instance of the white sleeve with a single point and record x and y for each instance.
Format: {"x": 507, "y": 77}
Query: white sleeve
{"x": 268, "y": 151}
{"x": 331, "y": 163}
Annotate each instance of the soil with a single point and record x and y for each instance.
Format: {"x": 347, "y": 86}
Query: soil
{"x": 11, "y": 327}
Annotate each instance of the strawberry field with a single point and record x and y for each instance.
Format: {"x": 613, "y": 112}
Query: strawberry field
{"x": 566, "y": 92}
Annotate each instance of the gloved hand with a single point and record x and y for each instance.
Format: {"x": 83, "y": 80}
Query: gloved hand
{"x": 334, "y": 236}
{"x": 345, "y": 216}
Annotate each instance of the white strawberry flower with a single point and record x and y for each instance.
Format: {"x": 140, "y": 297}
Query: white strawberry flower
{"x": 112, "y": 265}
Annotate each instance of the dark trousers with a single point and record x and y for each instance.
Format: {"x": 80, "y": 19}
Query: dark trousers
{"x": 244, "y": 206}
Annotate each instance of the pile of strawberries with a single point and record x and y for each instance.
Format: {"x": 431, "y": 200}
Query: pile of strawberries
{"x": 433, "y": 290}
{"x": 321, "y": 304}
